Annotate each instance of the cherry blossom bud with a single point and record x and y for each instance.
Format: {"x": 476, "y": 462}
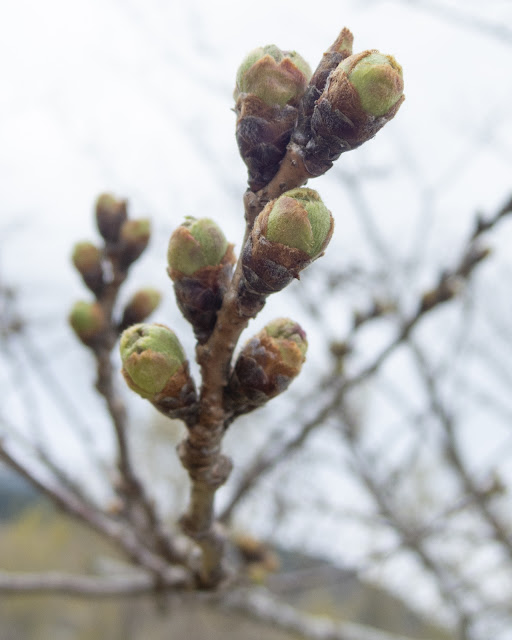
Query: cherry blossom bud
{"x": 110, "y": 215}
{"x": 277, "y": 77}
{"x": 87, "y": 260}
{"x": 88, "y": 322}
{"x": 156, "y": 368}
{"x": 134, "y": 238}
{"x": 200, "y": 265}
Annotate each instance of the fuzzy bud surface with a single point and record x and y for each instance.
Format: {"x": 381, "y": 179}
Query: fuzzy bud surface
{"x": 196, "y": 244}
{"x": 276, "y": 77}
{"x": 151, "y": 356}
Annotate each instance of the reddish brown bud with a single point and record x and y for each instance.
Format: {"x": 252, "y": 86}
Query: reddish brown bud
{"x": 140, "y": 307}
{"x": 267, "y": 365}
{"x": 134, "y": 238}
{"x": 110, "y": 215}
{"x": 87, "y": 260}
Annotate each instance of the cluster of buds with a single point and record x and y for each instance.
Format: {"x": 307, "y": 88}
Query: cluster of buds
{"x": 269, "y": 86}
{"x": 200, "y": 263}
{"x": 343, "y": 104}
{"x": 156, "y": 368}
{"x": 290, "y": 232}
{"x": 103, "y": 269}
{"x": 280, "y": 106}
{"x": 266, "y": 365}
{"x": 125, "y": 238}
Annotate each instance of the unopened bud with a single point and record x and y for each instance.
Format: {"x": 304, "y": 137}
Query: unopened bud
{"x": 196, "y": 244}
{"x": 299, "y": 219}
{"x": 110, "y": 215}
{"x": 378, "y": 80}
{"x": 348, "y": 107}
{"x": 88, "y": 322}
{"x": 87, "y": 260}
{"x": 267, "y": 365}
{"x": 276, "y": 77}
{"x": 287, "y": 236}
{"x": 134, "y": 239}
{"x": 140, "y": 307}
{"x": 155, "y": 367}
{"x": 200, "y": 265}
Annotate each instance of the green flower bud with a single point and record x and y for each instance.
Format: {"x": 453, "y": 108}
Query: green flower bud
{"x": 110, "y": 215}
{"x": 151, "y": 356}
{"x": 299, "y": 219}
{"x": 276, "y": 77}
{"x": 290, "y": 339}
{"x": 88, "y": 321}
{"x": 196, "y": 244}
{"x": 377, "y": 78}
{"x": 266, "y": 365}
{"x": 141, "y": 305}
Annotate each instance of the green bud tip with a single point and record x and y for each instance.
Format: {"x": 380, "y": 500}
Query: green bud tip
{"x": 196, "y": 244}
{"x": 87, "y": 318}
{"x": 151, "y": 355}
{"x": 86, "y": 256}
{"x": 291, "y": 340}
{"x": 343, "y": 43}
{"x": 277, "y": 77}
{"x": 299, "y": 219}
{"x": 378, "y": 80}
{"x": 136, "y": 230}
{"x": 107, "y": 202}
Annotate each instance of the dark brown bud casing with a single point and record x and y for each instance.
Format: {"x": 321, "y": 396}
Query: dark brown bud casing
{"x": 360, "y": 96}
{"x": 89, "y": 323}
{"x": 156, "y": 368}
{"x": 262, "y": 133}
{"x": 200, "y": 265}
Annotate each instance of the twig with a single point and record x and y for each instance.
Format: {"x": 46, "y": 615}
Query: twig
{"x": 479, "y": 497}
{"x": 263, "y": 605}
{"x": 91, "y": 516}
{"x": 88, "y": 586}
